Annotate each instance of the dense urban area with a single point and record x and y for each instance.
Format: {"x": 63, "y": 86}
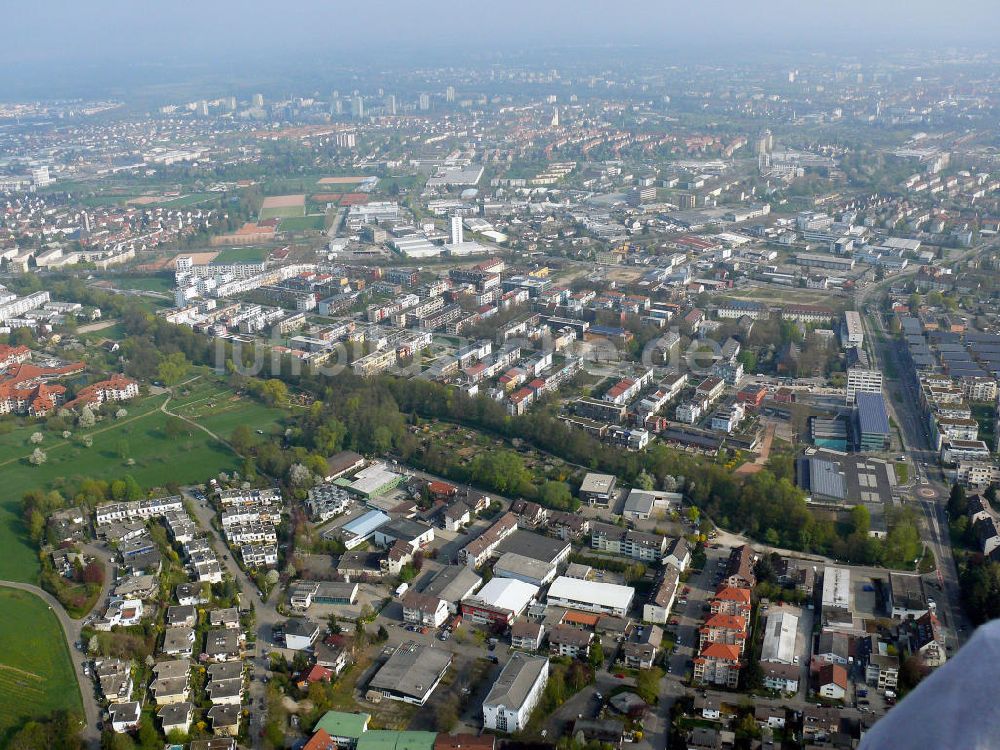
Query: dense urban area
{"x": 500, "y": 406}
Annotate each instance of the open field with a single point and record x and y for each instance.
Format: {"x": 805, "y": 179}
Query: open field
{"x": 788, "y": 296}
{"x": 141, "y": 437}
{"x": 36, "y": 672}
{"x": 303, "y": 223}
{"x": 242, "y": 254}
{"x": 105, "y": 329}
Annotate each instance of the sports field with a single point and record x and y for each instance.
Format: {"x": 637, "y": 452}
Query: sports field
{"x": 36, "y": 672}
{"x": 283, "y": 207}
{"x": 138, "y": 444}
{"x": 242, "y": 254}
{"x": 303, "y": 223}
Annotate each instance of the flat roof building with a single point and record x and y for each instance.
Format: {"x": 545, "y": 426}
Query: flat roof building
{"x": 779, "y": 637}
{"x": 529, "y": 544}
{"x": 590, "y": 596}
{"x": 873, "y": 421}
{"x": 499, "y": 601}
{"x": 836, "y": 601}
{"x": 521, "y": 568}
{"x": 411, "y": 673}
{"x": 359, "y": 530}
{"x": 597, "y": 489}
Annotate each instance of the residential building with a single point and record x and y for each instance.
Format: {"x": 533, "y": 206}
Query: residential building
{"x": 831, "y": 682}
{"x": 566, "y": 640}
{"x": 635, "y": 544}
{"x": 424, "y": 609}
{"x": 718, "y": 664}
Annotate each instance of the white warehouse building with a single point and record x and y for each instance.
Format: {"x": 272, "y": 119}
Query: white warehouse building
{"x": 591, "y": 596}
{"x": 779, "y": 637}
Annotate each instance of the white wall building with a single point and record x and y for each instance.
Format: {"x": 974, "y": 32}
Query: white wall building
{"x": 515, "y": 694}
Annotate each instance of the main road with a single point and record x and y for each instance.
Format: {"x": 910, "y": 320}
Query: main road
{"x": 930, "y": 492}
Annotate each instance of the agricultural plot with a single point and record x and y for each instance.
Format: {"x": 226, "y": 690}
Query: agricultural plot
{"x": 36, "y": 671}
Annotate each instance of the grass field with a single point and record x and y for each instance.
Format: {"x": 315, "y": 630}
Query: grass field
{"x": 303, "y": 223}
{"x": 140, "y": 437}
{"x": 283, "y": 212}
{"x": 36, "y": 672}
{"x": 242, "y": 255}
{"x": 146, "y": 283}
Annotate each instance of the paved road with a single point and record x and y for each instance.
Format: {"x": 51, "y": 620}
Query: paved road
{"x": 903, "y": 405}
{"x": 71, "y": 629}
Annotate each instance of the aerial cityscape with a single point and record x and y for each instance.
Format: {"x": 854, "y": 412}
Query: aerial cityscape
{"x": 545, "y": 383}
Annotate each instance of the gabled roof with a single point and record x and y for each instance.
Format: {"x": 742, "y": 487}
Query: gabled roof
{"x": 732, "y": 593}
{"x": 721, "y": 651}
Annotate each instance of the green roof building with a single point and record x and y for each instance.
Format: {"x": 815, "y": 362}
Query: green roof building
{"x": 383, "y": 739}
{"x": 345, "y": 728}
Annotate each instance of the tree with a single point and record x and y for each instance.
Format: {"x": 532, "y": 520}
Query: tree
{"x": 86, "y": 418}
{"x": 147, "y": 736}
{"x": 274, "y": 392}
{"x": 37, "y": 437}
{"x": 38, "y": 457}
{"x": 299, "y": 475}
{"x": 175, "y": 427}
{"x": 647, "y": 684}
{"x": 556, "y": 495}
{"x": 596, "y": 655}
{"x": 957, "y": 501}
{"x": 860, "y": 520}
{"x": 447, "y": 713}
{"x": 172, "y": 368}
{"x": 93, "y": 572}
{"x": 242, "y": 439}
{"x": 644, "y": 481}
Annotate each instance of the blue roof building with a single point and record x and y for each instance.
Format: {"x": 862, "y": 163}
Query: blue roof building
{"x": 872, "y": 421}
{"x": 359, "y": 530}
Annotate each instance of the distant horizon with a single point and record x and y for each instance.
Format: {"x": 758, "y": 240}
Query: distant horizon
{"x": 235, "y": 73}
{"x": 112, "y": 44}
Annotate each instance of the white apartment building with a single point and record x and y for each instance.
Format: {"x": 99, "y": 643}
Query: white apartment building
{"x": 138, "y": 510}
{"x": 852, "y": 333}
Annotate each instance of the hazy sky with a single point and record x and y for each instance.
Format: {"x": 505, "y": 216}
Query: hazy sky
{"x": 47, "y": 39}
